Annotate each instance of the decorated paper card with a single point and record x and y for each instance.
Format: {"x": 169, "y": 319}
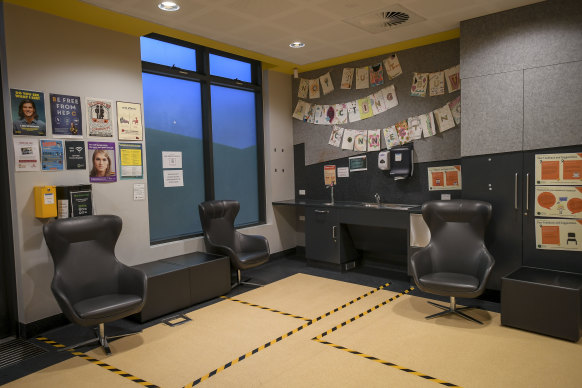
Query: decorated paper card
{"x": 341, "y": 114}
{"x": 390, "y": 99}
{"x": 559, "y": 234}
{"x": 353, "y": 111}
{"x": 392, "y": 66}
{"x": 377, "y": 102}
{"x": 326, "y": 83}
{"x": 559, "y": 201}
{"x": 559, "y": 169}
{"x": 414, "y": 128}
{"x": 444, "y": 118}
{"x": 362, "y": 78}
{"x": 309, "y": 116}
{"x": 28, "y": 113}
{"x": 427, "y": 124}
{"x": 453, "y": 78}
{"x": 348, "y": 139}
{"x": 335, "y": 139}
{"x": 391, "y": 137}
{"x": 402, "y": 130}
{"x": 365, "y": 108}
{"x": 314, "y": 88}
{"x": 319, "y": 114}
{"x": 376, "y": 74}
{"x": 374, "y": 140}
{"x": 419, "y": 84}
{"x": 99, "y": 114}
{"x": 330, "y": 114}
{"x": 361, "y": 140}
{"x": 303, "y": 91}
{"x": 436, "y": 83}
{"x": 301, "y": 110}
{"x": 455, "y": 106}
{"x": 347, "y": 78}
{"x": 444, "y": 178}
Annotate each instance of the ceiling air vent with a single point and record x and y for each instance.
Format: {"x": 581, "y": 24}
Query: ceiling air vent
{"x": 385, "y": 19}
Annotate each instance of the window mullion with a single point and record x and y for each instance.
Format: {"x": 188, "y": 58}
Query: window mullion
{"x": 207, "y": 127}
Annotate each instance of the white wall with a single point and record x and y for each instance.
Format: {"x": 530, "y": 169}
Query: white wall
{"x": 54, "y": 55}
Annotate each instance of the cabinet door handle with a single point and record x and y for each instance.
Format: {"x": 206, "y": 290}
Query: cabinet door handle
{"x": 515, "y": 193}
{"x": 333, "y": 233}
{"x": 526, "y": 193}
{"x": 322, "y": 211}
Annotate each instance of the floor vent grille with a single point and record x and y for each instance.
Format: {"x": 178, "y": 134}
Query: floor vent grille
{"x": 18, "y": 350}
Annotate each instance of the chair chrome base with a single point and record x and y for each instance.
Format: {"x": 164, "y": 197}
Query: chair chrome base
{"x": 100, "y": 338}
{"x": 239, "y": 282}
{"x": 452, "y": 309}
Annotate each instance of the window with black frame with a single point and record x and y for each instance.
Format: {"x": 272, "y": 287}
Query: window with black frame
{"x": 204, "y": 135}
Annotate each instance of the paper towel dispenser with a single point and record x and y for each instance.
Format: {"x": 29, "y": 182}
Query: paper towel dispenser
{"x": 401, "y": 163}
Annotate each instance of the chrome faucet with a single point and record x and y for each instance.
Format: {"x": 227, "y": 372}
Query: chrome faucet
{"x": 331, "y": 187}
{"x": 377, "y": 197}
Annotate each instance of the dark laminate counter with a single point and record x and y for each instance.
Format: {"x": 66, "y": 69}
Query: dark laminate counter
{"x": 350, "y": 204}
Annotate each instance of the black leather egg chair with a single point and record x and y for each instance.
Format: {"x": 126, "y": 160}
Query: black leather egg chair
{"x": 456, "y": 262}
{"x": 90, "y": 285}
{"x": 221, "y": 237}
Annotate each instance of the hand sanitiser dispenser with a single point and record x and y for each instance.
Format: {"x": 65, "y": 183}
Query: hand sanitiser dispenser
{"x": 401, "y": 163}
{"x": 384, "y": 160}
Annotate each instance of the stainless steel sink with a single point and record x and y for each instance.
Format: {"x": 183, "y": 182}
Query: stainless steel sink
{"x": 393, "y": 206}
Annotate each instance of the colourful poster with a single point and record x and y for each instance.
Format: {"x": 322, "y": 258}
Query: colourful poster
{"x": 28, "y": 113}
{"x": 66, "y": 115}
{"x": 329, "y": 175}
{"x": 559, "y": 169}
{"x": 26, "y": 155}
{"x": 99, "y": 113}
{"x": 129, "y": 122}
{"x": 376, "y": 74}
{"x": 102, "y": 156}
{"x": 75, "y": 152}
{"x": 444, "y": 178}
{"x": 559, "y": 234}
{"x": 51, "y": 153}
{"x": 130, "y": 161}
{"x": 559, "y": 201}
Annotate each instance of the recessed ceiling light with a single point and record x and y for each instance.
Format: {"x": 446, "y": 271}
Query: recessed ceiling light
{"x": 297, "y": 44}
{"x": 168, "y": 6}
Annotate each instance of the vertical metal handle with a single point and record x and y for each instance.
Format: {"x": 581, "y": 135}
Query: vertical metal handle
{"x": 515, "y": 193}
{"x": 333, "y": 233}
{"x": 526, "y": 193}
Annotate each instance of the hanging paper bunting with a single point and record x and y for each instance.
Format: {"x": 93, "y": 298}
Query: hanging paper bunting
{"x": 335, "y": 138}
{"x": 455, "y": 106}
{"x": 392, "y": 66}
{"x": 378, "y": 103}
{"x": 414, "y": 128}
{"x": 365, "y": 108}
{"x": 453, "y": 78}
{"x": 303, "y": 88}
{"x": 329, "y": 114}
{"x": 353, "y": 111}
{"x": 444, "y": 118}
{"x": 341, "y": 114}
{"x": 347, "y": 78}
{"x": 436, "y": 83}
{"x": 301, "y": 110}
{"x": 391, "y": 137}
{"x": 348, "y": 139}
{"x": 361, "y": 140}
{"x": 419, "y": 83}
{"x": 319, "y": 114}
{"x": 362, "y": 78}
{"x": 390, "y": 99}
{"x": 326, "y": 84}
{"x": 376, "y": 74}
{"x": 427, "y": 124}
{"x": 314, "y": 88}
{"x": 402, "y": 129}
{"x": 374, "y": 140}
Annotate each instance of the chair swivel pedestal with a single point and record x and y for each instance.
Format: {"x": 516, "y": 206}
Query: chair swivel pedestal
{"x": 100, "y": 339}
{"x": 452, "y": 309}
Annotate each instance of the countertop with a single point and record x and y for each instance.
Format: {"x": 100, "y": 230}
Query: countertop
{"x": 350, "y": 204}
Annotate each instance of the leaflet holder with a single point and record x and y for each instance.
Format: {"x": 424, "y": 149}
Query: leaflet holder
{"x": 401, "y": 162}
{"x": 74, "y": 201}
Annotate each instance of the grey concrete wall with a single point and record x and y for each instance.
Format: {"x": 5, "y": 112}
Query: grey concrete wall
{"x": 520, "y": 72}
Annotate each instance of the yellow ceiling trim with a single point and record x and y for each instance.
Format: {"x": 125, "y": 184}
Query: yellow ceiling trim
{"x": 89, "y": 14}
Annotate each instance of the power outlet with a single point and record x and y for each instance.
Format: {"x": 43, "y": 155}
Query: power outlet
{"x": 445, "y": 197}
{"x": 301, "y": 192}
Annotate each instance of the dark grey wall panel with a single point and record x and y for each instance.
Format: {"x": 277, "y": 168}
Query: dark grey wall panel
{"x": 541, "y": 34}
{"x": 552, "y": 101}
{"x": 492, "y": 114}
{"x": 429, "y": 58}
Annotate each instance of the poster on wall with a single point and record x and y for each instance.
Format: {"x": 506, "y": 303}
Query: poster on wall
{"x": 28, "y": 113}
{"x": 329, "y": 175}
{"x": 81, "y": 203}
{"x": 559, "y": 169}
{"x": 66, "y": 115}
{"x": 130, "y": 161}
{"x": 99, "y": 112}
{"x": 102, "y": 156}
{"x": 51, "y": 154}
{"x": 444, "y": 178}
{"x": 559, "y": 234}
{"x": 559, "y": 201}
{"x": 26, "y": 155}
{"x": 75, "y": 153}
{"x": 129, "y": 123}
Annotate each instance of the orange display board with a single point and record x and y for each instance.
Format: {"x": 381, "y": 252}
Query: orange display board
{"x": 559, "y": 169}
{"x": 444, "y": 178}
{"x": 559, "y": 234}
